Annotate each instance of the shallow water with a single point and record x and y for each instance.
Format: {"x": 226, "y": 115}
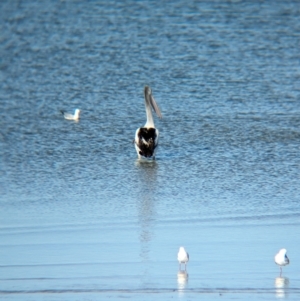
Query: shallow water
{"x": 81, "y": 217}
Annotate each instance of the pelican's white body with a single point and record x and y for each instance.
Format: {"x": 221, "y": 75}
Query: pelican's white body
{"x": 146, "y": 138}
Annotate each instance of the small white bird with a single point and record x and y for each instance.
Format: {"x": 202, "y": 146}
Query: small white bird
{"x": 69, "y": 116}
{"x": 146, "y": 137}
{"x": 281, "y": 259}
{"x": 182, "y": 257}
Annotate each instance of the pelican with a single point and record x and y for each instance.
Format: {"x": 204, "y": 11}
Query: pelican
{"x": 146, "y": 137}
{"x": 182, "y": 257}
{"x": 69, "y": 116}
{"x": 281, "y": 259}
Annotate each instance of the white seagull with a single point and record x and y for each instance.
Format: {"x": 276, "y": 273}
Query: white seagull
{"x": 146, "y": 137}
{"x": 69, "y": 116}
{"x": 281, "y": 259}
{"x": 182, "y": 257}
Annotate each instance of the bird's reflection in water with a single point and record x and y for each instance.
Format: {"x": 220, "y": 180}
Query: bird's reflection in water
{"x": 182, "y": 280}
{"x": 147, "y": 187}
{"x": 281, "y": 283}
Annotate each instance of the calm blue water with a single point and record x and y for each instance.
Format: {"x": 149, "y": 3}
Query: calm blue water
{"x": 81, "y": 218}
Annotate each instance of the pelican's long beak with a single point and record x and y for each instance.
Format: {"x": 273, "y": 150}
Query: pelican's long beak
{"x": 155, "y": 106}
{"x": 152, "y": 102}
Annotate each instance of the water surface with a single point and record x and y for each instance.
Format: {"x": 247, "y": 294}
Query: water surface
{"x": 81, "y": 217}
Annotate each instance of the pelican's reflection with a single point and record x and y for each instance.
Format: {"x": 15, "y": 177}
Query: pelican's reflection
{"x": 147, "y": 183}
{"x": 182, "y": 280}
{"x": 281, "y": 283}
